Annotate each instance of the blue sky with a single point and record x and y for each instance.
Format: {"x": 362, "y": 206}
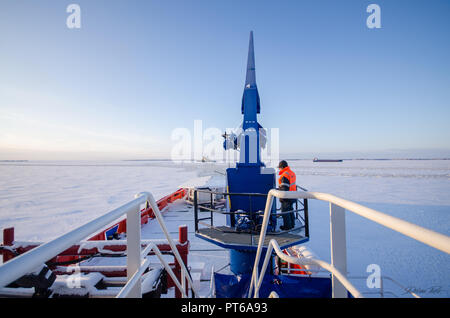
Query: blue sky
{"x": 136, "y": 70}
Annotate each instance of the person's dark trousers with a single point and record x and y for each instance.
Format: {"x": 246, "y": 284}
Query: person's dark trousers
{"x": 288, "y": 218}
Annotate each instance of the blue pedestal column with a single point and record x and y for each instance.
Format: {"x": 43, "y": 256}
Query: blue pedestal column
{"x": 242, "y": 261}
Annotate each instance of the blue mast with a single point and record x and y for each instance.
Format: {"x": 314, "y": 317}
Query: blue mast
{"x": 250, "y": 99}
{"x": 247, "y": 187}
{"x": 249, "y": 140}
{"x": 250, "y": 174}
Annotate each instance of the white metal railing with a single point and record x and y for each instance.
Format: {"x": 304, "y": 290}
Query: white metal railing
{"x": 273, "y": 246}
{"x": 338, "y": 266}
{"x": 127, "y": 289}
{"x": 136, "y": 261}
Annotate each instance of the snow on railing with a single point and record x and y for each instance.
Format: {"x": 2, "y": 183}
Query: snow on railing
{"x": 136, "y": 263}
{"x": 338, "y": 266}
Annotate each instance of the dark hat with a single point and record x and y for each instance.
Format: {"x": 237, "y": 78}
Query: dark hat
{"x": 282, "y": 164}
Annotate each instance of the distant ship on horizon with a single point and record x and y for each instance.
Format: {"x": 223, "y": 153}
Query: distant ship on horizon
{"x": 326, "y": 160}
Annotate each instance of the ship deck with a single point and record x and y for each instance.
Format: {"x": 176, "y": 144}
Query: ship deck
{"x": 203, "y": 256}
{"x": 207, "y": 247}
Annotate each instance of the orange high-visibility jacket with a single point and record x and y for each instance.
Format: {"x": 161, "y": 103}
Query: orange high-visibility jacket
{"x": 287, "y": 179}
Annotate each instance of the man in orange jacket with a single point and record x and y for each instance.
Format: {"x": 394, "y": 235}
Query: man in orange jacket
{"x": 286, "y": 182}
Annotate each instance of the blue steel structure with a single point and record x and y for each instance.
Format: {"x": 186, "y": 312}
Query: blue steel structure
{"x": 250, "y": 174}
{"x": 247, "y": 186}
{"x": 249, "y": 182}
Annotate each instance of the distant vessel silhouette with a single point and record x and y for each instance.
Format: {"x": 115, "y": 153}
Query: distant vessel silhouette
{"x": 326, "y": 160}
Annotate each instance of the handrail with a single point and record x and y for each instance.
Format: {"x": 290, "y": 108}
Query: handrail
{"x": 426, "y": 236}
{"x": 124, "y": 292}
{"x": 29, "y": 261}
{"x": 273, "y": 245}
{"x": 184, "y": 270}
{"x": 134, "y": 281}
{"x": 421, "y": 234}
{"x": 250, "y": 213}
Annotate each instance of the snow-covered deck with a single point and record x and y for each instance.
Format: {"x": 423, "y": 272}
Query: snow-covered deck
{"x": 202, "y": 255}
{"x": 44, "y": 200}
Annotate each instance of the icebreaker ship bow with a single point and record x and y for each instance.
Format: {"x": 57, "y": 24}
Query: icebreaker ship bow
{"x": 237, "y": 213}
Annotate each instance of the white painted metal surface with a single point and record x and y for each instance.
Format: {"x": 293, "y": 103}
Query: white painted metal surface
{"x": 337, "y": 230}
{"x": 338, "y": 248}
{"x": 273, "y": 246}
{"x": 134, "y": 263}
{"x": 426, "y": 236}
